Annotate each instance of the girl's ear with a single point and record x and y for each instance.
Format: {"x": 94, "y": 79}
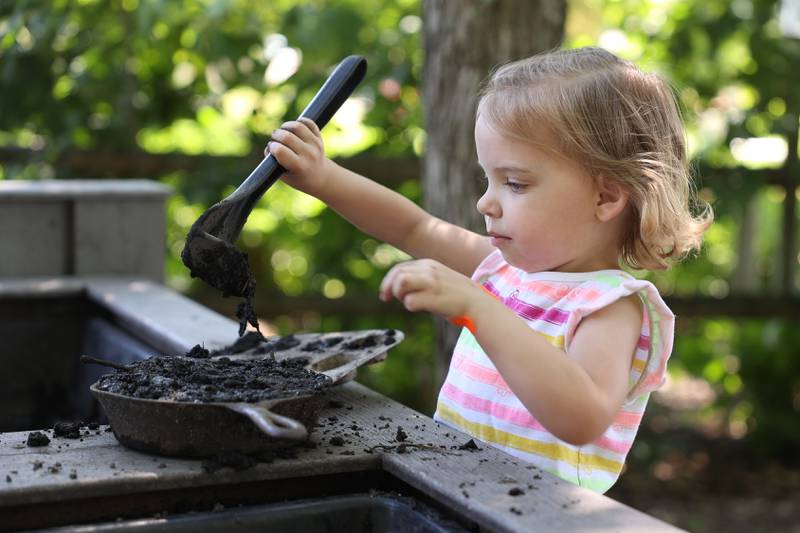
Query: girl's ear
{"x": 612, "y": 198}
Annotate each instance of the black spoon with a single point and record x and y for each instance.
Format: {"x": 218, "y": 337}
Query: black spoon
{"x": 88, "y": 360}
{"x": 209, "y": 251}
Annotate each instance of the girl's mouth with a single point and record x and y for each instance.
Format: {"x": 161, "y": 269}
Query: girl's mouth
{"x": 498, "y": 240}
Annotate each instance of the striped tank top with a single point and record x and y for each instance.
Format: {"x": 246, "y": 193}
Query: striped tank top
{"x": 476, "y": 399}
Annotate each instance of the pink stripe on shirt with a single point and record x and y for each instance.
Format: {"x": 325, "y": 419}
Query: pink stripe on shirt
{"x": 554, "y": 291}
{"x": 530, "y": 312}
{"x": 519, "y": 417}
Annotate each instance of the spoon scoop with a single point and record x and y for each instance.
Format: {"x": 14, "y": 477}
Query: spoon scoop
{"x": 209, "y": 252}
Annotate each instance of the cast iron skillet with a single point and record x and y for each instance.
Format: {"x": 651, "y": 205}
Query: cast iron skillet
{"x": 186, "y": 429}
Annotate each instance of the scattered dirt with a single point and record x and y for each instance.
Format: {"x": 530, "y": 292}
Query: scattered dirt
{"x": 68, "y": 430}
{"x": 252, "y": 339}
{"x": 322, "y": 344}
{"x": 237, "y": 461}
{"x": 371, "y": 340}
{"x": 470, "y": 446}
{"x": 254, "y": 343}
{"x": 401, "y": 435}
{"x": 36, "y": 439}
{"x": 214, "y": 380}
{"x": 197, "y": 352}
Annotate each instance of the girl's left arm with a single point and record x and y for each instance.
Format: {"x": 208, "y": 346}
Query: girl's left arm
{"x": 574, "y": 395}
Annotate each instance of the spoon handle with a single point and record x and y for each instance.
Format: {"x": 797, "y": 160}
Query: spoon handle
{"x": 330, "y": 97}
{"x": 88, "y": 360}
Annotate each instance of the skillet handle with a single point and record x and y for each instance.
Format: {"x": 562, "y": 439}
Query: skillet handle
{"x": 274, "y": 425}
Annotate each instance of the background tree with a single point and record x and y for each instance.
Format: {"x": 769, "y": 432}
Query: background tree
{"x": 463, "y": 42}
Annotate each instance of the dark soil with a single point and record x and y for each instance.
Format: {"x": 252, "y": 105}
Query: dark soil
{"x": 224, "y": 267}
{"x": 237, "y": 461}
{"x": 68, "y": 430}
{"x": 322, "y": 344}
{"x": 214, "y": 380}
{"x": 469, "y": 445}
{"x": 250, "y": 340}
{"x": 246, "y": 315}
{"x": 221, "y": 265}
{"x": 36, "y": 439}
{"x": 255, "y": 343}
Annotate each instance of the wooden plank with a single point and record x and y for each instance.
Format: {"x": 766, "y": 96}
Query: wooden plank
{"x": 135, "y": 164}
{"x": 272, "y": 305}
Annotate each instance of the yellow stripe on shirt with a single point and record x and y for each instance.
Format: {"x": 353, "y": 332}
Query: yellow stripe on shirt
{"x": 554, "y": 340}
{"x": 551, "y": 450}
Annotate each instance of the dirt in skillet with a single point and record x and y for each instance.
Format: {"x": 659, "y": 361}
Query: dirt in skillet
{"x": 214, "y": 380}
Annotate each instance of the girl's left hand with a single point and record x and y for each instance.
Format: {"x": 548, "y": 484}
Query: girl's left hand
{"x": 427, "y": 285}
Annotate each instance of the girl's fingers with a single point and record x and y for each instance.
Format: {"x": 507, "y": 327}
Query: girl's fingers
{"x": 410, "y": 283}
{"x": 316, "y": 135}
{"x": 401, "y": 281}
{"x": 311, "y": 125}
{"x": 302, "y": 129}
{"x": 290, "y": 140}
{"x": 418, "y": 301}
{"x": 285, "y": 156}
{"x": 385, "y": 290}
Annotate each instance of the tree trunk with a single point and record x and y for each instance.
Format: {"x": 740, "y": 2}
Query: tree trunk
{"x": 746, "y": 279}
{"x": 463, "y": 41}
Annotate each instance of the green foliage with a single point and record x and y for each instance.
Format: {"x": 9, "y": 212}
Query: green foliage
{"x": 203, "y": 77}
{"x": 754, "y": 374}
{"x": 218, "y": 76}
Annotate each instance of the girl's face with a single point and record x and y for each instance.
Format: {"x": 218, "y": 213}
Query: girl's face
{"x": 539, "y": 207}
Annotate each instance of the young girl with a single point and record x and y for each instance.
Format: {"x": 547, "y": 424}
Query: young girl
{"x": 586, "y": 170}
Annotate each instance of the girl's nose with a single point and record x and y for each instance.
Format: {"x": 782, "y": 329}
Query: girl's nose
{"x": 488, "y": 206}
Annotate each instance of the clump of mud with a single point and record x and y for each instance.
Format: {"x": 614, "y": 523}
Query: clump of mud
{"x": 37, "y": 439}
{"x": 214, "y": 380}
{"x": 224, "y": 267}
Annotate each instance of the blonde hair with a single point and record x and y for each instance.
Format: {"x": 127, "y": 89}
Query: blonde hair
{"x": 617, "y": 122}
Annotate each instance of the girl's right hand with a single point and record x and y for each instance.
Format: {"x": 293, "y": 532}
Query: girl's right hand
{"x": 297, "y": 145}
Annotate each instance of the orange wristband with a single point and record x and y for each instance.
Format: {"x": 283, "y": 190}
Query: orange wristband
{"x": 465, "y": 321}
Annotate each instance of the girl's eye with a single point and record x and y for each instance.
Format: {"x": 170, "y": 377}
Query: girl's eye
{"x": 515, "y": 186}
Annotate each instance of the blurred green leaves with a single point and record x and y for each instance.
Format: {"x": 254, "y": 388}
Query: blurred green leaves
{"x": 217, "y": 77}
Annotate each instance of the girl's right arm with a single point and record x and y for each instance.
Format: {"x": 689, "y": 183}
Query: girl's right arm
{"x": 371, "y": 207}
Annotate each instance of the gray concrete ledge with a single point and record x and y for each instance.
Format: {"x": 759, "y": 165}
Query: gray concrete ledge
{"x": 83, "y": 228}
{"x": 71, "y": 189}
{"x": 163, "y": 318}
